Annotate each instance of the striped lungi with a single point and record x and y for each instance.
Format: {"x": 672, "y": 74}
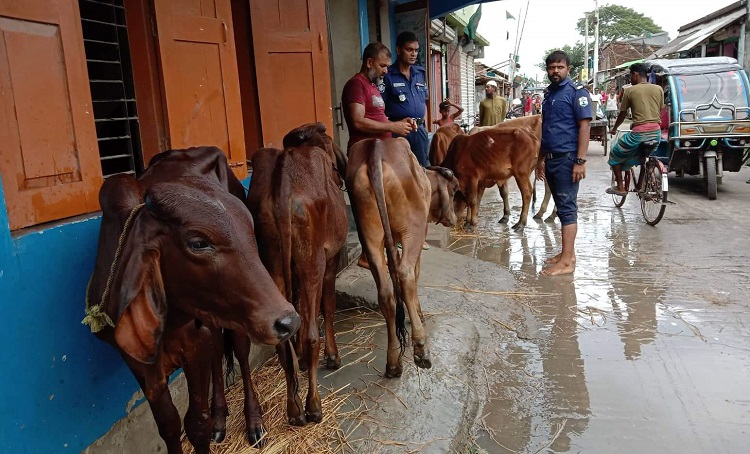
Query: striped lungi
{"x": 625, "y": 151}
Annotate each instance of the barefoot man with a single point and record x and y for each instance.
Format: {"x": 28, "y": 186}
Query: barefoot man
{"x": 566, "y": 119}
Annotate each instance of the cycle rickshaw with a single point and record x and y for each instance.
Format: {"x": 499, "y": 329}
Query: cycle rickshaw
{"x": 708, "y": 106}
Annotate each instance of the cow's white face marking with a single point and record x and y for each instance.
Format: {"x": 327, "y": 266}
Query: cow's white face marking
{"x": 490, "y": 141}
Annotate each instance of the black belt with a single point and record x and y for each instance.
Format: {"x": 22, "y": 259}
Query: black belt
{"x": 419, "y": 121}
{"x": 549, "y": 155}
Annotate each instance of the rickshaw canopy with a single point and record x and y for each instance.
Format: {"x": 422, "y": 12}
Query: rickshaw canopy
{"x": 689, "y": 66}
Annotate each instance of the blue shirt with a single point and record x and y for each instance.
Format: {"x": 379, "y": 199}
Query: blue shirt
{"x": 405, "y": 97}
{"x": 563, "y": 107}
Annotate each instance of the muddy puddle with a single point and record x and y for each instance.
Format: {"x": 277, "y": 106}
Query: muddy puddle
{"x": 644, "y": 349}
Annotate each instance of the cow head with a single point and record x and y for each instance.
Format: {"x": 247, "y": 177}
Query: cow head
{"x": 314, "y": 135}
{"x": 188, "y": 254}
{"x": 444, "y": 186}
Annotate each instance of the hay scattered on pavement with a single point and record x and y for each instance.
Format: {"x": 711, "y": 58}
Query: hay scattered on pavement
{"x": 345, "y": 410}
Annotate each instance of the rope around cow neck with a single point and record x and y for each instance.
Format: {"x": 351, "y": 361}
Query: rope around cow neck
{"x": 96, "y": 318}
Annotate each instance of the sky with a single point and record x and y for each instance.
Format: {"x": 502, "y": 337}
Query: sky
{"x": 549, "y": 26}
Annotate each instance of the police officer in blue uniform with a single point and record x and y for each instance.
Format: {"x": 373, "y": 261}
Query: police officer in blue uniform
{"x": 405, "y": 93}
{"x": 566, "y": 121}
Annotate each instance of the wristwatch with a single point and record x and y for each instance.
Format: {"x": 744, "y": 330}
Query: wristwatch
{"x": 579, "y": 161}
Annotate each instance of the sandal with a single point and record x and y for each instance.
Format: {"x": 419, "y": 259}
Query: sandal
{"x": 425, "y": 246}
{"x": 614, "y": 191}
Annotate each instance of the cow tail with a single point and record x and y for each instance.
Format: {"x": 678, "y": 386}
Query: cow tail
{"x": 375, "y": 173}
{"x": 228, "y": 351}
{"x": 284, "y": 220}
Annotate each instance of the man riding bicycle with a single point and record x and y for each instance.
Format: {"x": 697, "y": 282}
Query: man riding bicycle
{"x": 645, "y": 102}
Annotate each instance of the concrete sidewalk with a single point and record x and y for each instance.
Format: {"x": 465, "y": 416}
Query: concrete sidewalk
{"x": 433, "y": 410}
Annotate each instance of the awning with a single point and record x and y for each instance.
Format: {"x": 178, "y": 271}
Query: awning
{"x": 439, "y": 8}
{"x": 695, "y": 36}
{"x": 626, "y": 64}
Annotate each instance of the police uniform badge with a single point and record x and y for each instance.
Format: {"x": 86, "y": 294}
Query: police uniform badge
{"x": 401, "y": 97}
{"x": 583, "y": 101}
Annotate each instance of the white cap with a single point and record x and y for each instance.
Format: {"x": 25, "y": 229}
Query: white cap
{"x": 491, "y": 83}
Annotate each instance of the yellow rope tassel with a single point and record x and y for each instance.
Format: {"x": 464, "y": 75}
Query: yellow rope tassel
{"x": 96, "y": 318}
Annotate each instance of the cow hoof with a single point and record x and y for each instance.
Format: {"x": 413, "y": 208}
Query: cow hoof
{"x": 298, "y": 421}
{"x": 255, "y": 437}
{"x": 537, "y": 216}
{"x": 518, "y": 226}
{"x": 217, "y": 436}
{"x": 550, "y": 219}
{"x": 468, "y": 228}
{"x": 423, "y": 361}
{"x": 314, "y": 417}
{"x": 503, "y": 220}
{"x": 333, "y": 362}
{"x": 393, "y": 372}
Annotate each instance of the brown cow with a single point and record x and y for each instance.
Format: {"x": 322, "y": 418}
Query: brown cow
{"x": 391, "y": 200}
{"x": 532, "y": 123}
{"x": 441, "y": 140}
{"x": 176, "y": 262}
{"x": 302, "y": 225}
{"x": 493, "y": 156}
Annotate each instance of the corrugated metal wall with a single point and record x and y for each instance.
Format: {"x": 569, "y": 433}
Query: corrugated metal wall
{"x": 468, "y": 93}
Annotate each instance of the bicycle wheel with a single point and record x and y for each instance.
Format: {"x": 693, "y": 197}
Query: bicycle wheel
{"x": 619, "y": 200}
{"x": 653, "y": 197}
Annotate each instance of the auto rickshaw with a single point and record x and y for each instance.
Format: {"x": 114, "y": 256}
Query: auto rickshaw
{"x": 708, "y": 109}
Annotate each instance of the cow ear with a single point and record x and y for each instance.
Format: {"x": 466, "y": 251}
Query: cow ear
{"x": 143, "y": 307}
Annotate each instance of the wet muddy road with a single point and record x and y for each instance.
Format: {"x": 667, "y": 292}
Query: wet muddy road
{"x": 646, "y": 348}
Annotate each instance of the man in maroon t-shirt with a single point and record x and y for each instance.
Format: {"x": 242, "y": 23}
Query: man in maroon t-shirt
{"x": 364, "y": 109}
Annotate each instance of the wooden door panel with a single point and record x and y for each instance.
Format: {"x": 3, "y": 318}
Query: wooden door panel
{"x": 49, "y": 154}
{"x": 200, "y": 79}
{"x": 292, "y": 65}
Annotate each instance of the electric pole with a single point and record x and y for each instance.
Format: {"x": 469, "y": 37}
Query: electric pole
{"x": 744, "y": 45}
{"x": 596, "y": 40}
{"x": 585, "y": 71}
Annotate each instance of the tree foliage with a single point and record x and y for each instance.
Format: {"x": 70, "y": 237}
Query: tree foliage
{"x": 576, "y": 54}
{"x": 618, "y": 22}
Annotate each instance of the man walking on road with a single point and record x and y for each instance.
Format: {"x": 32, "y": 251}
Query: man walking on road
{"x": 364, "y": 109}
{"x": 405, "y": 93}
{"x": 645, "y": 102}
{"x": 566, "y": 121}
{"x": 493, "y": 107}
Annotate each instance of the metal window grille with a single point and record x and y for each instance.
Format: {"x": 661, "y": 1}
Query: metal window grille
{"x": 105, "y": 39}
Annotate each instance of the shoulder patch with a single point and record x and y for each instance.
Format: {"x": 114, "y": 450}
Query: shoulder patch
{"x": 578, "y": 86}
{"x": 381, "y": 87}
{"x": 583, "y": 101}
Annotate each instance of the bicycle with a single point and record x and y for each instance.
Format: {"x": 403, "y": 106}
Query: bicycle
{"x": 651, "y": 186}
{"x": 469, "y": 122}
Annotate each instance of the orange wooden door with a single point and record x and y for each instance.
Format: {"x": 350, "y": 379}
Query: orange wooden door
{"x": 290, "y": 41}
{"x": 49, "y": 157}
{"x": 199, "y": 74}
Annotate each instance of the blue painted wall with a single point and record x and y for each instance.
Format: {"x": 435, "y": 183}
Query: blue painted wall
{"x": 62, "y": 388}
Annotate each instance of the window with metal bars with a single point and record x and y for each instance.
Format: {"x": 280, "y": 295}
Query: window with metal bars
{"x": 105, "y": 39}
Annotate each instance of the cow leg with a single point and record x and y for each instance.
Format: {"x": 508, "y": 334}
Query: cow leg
{"x": 219, "y": 410}
{"x": 333, "y": 361}
{"x": 373, "y": 248}
{"x": 416, "y": 272}
{"x": 503, "y": 188}
{"x": 524, "y": 184}
{"x": 166, "y": 416}
{"x": 293, "y": 403}
{"x": 311, "y": 285}
{"x": 472, "y": 193}
{"x": 408, "y": 277}
{"x": 254, "y": 429}
{"x": 197, "y": 369}
{"x": 552, "y": 216}
{"x": 545, "y": 202}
